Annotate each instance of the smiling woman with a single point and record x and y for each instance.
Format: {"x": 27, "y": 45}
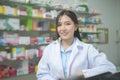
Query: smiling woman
{"x": 66, "y": 29}
{"x": 69, "y": 56}
{"x": 69, "y": 19}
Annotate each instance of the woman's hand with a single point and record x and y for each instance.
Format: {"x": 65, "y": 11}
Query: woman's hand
{"x": 80, "y": 74}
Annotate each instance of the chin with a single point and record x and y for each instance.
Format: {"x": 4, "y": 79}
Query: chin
{"x": 65, "y": 38}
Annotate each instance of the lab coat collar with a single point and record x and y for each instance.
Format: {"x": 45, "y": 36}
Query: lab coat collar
{"x": 78, "y": 43}
{"x": 76, "y": 50}
{"x": 58, "y": 58}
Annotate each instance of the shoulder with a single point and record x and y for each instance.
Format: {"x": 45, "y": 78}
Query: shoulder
{"x": 83, "y": 44}
{"x": 89, "y": 46}
{"x": 51, "y": 45}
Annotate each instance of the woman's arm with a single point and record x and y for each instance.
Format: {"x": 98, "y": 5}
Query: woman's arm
{"x": 98, "y": 64}
{"x": 43, "y": 68}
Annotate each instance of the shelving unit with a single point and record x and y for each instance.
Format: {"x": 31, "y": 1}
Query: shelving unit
{"x": 90, "y": 37}
{"x": 10, "y": 58}
{"x": 31, "y": 76}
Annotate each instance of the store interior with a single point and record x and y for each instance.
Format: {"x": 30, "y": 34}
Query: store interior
{"x": 33, "y": 22}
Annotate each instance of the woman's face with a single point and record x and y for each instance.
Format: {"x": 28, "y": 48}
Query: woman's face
{"x": 66, "y": 28}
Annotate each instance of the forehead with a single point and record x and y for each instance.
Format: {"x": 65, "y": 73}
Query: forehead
{"x": 64, "y": 18}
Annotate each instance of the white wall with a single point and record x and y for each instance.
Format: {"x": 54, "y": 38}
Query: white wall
{"x": 118, "y": 25}
{"x": 110, "y": 10}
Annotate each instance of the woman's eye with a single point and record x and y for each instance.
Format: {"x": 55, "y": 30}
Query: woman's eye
{"x": 67, "y": 23}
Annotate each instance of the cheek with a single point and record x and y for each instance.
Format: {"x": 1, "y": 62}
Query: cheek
{"x": 58, "y": 29}
{"x": 72, "y": 32}
{"x": 72, "y": 29}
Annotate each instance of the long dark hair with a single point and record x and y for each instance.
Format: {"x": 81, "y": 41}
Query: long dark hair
{"x": 73, "y": 17}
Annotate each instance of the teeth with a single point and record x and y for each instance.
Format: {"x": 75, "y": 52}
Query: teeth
{"x": 63, "y": 33}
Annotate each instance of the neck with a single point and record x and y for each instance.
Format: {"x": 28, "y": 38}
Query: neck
{"x": 67, "y": 43}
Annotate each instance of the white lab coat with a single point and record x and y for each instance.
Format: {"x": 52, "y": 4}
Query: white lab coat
{"x": 84, "y": 57}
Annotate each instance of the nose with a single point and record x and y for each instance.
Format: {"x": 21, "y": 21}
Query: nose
{"x": 62, "y": 27}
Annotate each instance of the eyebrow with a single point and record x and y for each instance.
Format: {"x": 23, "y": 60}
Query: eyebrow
{"x": 65, "y": 21}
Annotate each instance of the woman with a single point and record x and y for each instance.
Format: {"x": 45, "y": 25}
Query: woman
{"x": 69, "y": 56}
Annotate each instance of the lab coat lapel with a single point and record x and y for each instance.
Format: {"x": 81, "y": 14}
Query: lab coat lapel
{"x": 71, "y": 59}
{"x": 58, "y": 58}
{"x": 75, "y": 52}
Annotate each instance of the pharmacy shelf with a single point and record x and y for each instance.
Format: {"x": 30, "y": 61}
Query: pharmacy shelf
{"x": 90, "y": 32}
{"x": 16, "y": 61}
{"x": 48, "y": 7}
{"x": 26, "y": 17}
{"x": 27, "y": 46}
{"x": 30, "y": 76}
{"x": 90, "y": 23}
{"x": 44, "y": 19}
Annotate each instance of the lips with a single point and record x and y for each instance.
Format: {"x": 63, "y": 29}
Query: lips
{"x": 64, "y": 33}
